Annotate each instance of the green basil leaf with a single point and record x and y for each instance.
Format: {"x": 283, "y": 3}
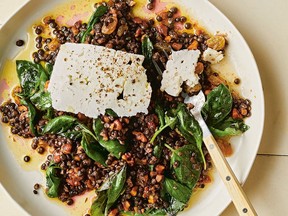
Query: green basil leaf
{"x": 116, "y": 188}
{"x": 49, "y": 114}
{"x": 31, "y": 77}
{"x": 73, "y": 134}
{"x": 178, "y": 191}
{"x": 100, "y": 11}
{"x": 229, "y": 127}
{"x": 98, "y": 206}
{"x": 175, "y": 206}
{"x": 112, "y": 146}
{"x": 161, "y": 115}
{"x": 93, "y": 150}
{"x": 49, "y": 69}
{"x": 59, "y": 124}
{"x": 110, "y": 112}
{"x": 157, "y": 151}
{"x": 147, "y": 48}
{"x": 42, "y": 100}
{"x": 53, "y": 180}
{"x": 190, "y": 128}
{"x": 169, "y": 122}
{"x": 218, "y": 105}
{"x": 31, "y": 115}
{"x": 186, "y": 172}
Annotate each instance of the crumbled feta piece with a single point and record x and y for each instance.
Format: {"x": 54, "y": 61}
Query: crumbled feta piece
{"x": 212, "y": 56}
{"x": 89, "y": 79}
{"x": 180, "y": 68}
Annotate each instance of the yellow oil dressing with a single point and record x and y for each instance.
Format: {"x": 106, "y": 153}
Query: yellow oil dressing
{"x": 67, "y": 14}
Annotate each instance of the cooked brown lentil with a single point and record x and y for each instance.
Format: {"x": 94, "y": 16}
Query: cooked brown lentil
{"x": 20, "y": 43}
{"x": 26, "y": 158}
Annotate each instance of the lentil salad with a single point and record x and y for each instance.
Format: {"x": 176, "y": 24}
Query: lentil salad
{"x": 69, "y": 154}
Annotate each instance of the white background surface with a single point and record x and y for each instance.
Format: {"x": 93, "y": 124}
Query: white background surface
{"x": 263, "y": 23}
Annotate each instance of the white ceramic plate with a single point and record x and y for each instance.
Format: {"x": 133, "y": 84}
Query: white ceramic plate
{"x": 212, "y": 200}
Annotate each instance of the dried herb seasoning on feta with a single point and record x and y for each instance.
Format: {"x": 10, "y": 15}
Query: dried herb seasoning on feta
{"x": 89, "y": 79}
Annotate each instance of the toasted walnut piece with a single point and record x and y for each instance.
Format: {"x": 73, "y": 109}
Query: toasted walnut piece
{"x": 153, "y": 173}
{"x": 74, "y": 30}
{"x": 177, "y": 46}
{"x": 140, "y": 136}
{"x": 54, "y": 45}
{"x": 199, "y": 68}
{"x": 117, "y": 125}
{"x": 159, "y": 178}
{"x": 236, "y": 114}
{"x": 193, "y": 45}
{"x": 22, "y": 108}
{"x": 168, "y": 39}
{"x": 134, "y": 190}
{"x": 216, "y": 42}
{"x": 152, "y": 199}
{"x": 15, "y": 92}
{"x": 81, "y": 117}
{"x": 159, "y": 169}
{"x": 113, "y": 212}
{"x": 126, "y": 205}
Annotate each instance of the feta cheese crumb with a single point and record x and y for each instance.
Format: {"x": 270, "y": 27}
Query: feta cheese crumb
{"x": 212, "y": 56}
{"x": 89, "y": 79}
{"x": 180, "y": 68}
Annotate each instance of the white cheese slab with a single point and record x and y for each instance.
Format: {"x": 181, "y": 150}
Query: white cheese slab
{"x": 180, "y": 68}
{"x": 89, "y": 79}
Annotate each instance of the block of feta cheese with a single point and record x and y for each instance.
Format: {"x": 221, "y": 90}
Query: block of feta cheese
{"x": 90, "y": 79}
{"x": 212, "y": 56}
{"x": 180, "y": 68}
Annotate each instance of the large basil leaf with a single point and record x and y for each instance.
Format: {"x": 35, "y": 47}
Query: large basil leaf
{"x": 112, "y": 146}
{"x": 218, "y": 105}
{"x": 186, "y": 172}
{"x": 53, "y": 180}
{"x": 190, "y": 128}
{"x": 100, "y": 11}
{"x": 59, "y": 124}
{"x": 178, "y": 191}
{"x": 98, "y": 206}
{"x": 116, "y": 188}
{"x": 229, "y": 127}
{"x": 30, "y": 76}
{"x": 93, "y": 150}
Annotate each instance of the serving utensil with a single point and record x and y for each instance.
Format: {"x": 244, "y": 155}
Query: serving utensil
{"x": 237, "y": 194}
